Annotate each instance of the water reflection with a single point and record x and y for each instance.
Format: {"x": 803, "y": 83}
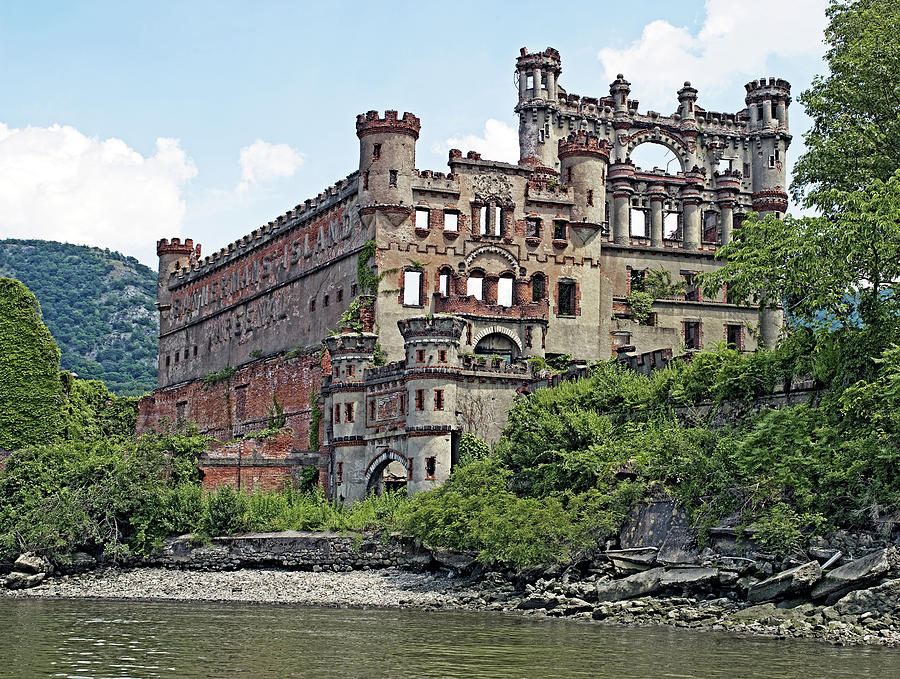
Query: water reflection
{"x": 99, "y": 640}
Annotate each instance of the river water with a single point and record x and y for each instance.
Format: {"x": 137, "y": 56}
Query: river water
{"x": 58, "y": 638}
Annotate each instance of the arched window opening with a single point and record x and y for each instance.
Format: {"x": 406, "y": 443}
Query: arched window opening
{"x": 638, "y": 223}
{"x": 652, "y": 155}
{"x": 497, "y": 344}
{"x": 538, "y": 287}
{"x": 444, "y": 278}
{"x": 475, "y": 285}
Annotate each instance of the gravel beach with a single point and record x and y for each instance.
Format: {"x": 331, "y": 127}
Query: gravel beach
{"x": 378, "y": 588}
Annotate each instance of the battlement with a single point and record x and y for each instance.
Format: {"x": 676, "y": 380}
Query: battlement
{"x": 351, "y": 345}
{"x": 448, "y": 328}
{"x": 549, "y": 57}
{"x": 583, "y": 144}
{"x": 370, "y": 123}
{"x": 164, "y": 246}
{"x": 758, "y": 90}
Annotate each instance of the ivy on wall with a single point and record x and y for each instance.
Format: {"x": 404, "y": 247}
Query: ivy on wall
{"x": 30, "y": 387}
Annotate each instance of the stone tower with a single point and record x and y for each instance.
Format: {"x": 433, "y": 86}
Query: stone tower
{"x": 538, "y": 75}
{"x": 583, "y": 161}
{"x": 767, "y": 102}
{"x": 387, "y": 161}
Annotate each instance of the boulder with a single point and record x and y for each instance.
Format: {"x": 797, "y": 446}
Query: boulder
{"x": 689, "y": 578}
{"x": 29, "y": 562}
{"x": 790, "y": 582}
{"x": 856, "y": 574}
{"x": 457, "y": 561}
{"x": 19, "y": 580}
{"x": 881, "y": 599}
{"x": 639, "y": 584}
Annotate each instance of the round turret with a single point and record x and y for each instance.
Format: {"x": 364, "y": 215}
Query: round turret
{"x": 538, "y": 74}
{"x": 387, "y": 158}
{"x": 583, "y": 161}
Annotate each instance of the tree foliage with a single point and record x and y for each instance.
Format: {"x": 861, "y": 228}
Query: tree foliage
{"x": 855, "y": 108}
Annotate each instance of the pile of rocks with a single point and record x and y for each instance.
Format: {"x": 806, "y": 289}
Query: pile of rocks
{"x": 29, "y": 570}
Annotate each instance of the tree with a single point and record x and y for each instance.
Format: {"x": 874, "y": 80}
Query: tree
{"x": 30, "y": 387}
{"x": 855, "y": 137}
{"x": 829, "y": 272}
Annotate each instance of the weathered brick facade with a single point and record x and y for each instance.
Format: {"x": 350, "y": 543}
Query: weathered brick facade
{"x": 532, "y": 259}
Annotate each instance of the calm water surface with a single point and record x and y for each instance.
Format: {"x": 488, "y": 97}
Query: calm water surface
{"x": 114, "y": 639}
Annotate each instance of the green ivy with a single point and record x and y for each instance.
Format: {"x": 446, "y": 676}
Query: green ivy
{"x": 368, "y": 279}
{"x": 222, "y": 375}
{"x": 30, "y": 386}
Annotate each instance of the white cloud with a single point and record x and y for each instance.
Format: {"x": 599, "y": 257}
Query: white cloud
{"x": 262, "y": 161}
{"x": 58, "y": 184}
{"x": 735, "y": 40}
{"x": 499, "y": 142}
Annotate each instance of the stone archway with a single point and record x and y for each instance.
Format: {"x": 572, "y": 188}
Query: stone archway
{"x": 676, "y": 146}
{"x": 381, "y": 475}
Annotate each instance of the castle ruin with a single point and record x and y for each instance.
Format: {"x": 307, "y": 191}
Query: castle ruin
{"x": 456, "y": 278}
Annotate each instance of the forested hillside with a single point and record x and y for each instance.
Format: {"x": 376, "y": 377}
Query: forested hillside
{"x": 99, "y": 305}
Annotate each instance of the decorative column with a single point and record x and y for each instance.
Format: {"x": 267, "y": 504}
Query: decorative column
{"x": 657, "y": 196}
{"x": 690, "y": 199}
{"x": 727, "y": 186}
{"x": 621, "y": 176}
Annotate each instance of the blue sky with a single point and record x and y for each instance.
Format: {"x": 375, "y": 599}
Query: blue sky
{"x": 123, "y": 122}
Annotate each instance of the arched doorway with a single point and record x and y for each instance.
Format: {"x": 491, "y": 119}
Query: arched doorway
{"x": 497, "y": 344}
{"x": 387, "y": 472}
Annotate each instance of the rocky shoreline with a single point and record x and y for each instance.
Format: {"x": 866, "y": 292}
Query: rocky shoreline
{"x": 861, "y": 617}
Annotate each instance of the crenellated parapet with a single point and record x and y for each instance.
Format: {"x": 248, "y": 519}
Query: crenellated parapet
{"x": 164, "y": 246}
{"x": 583, "y": 144}
{"x": 371, "y": 123}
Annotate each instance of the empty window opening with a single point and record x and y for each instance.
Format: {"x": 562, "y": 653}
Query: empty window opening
{"x": 376, "y": 151}
{"x": 442, "y": 355}
{"x": 505, "y": 291}
{"x": 711, "y": 226}
{"x": 351, "y": 370}
{"x": 373, "y": 409}
{"x": 348, "y": 412}
{"x": 734, "y": 336}
{"x": 340, "y": 295}
{"x": 177, "y": 355}
{"x": 566, "y": 298}
{"x": 438, "y": 399}
{"x": 475, "y": 286}
{"x": 637, "y": 280}
{"x": 337, "y": 412}
{"x": 692, "y": 334}
{"x": 568, "y": 175}
{"x": 420, "y": 399}
{"x": 498, "y": 221}
{"x": 533, "y": 227}
{"x": 529, "y": 82}
{"x": 366, "y": 180}
{"x": 444, "y": 284}
{"x": 670, "y": 225}
{"x": 638, "y": 223}
{"x": 312, "y": 304}
{"x": 451, "y": 221}
{"x": 421, "y": 218}
{"x": 195, "y": 350}
{"x": 538, "y": 287}
{"x": 340, "y": 472}
{"x": 483, "y": 220}
{"x": 325, "y": 301}
{"x": 430, "y": 467}
{"x": 353, "y": 289}
{"x": 725, "y": 165}
{"x": 590, "y": 197}
{"x": 412, "y": 288}
{"x": 392, "y": 178}
{"x": 692, "y": 290}
{"x": 559, "y": 230}
{"x": 653, "y": 156}
{"x": 420, "y": 355}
